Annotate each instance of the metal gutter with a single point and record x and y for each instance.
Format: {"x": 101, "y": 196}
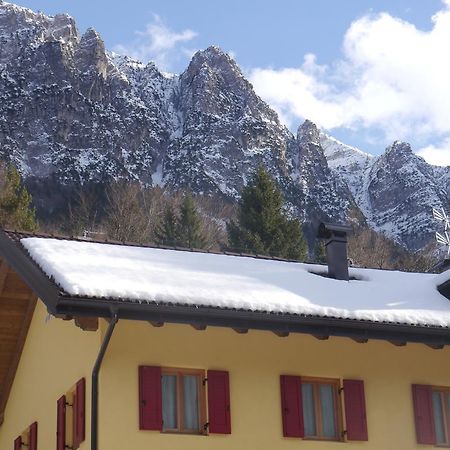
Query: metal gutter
{"x": 208, "y": 316}
{"x": 95, "y": 371}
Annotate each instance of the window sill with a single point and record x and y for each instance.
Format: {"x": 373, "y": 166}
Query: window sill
{"x": 185, "y": 433}
{"x": 322, "y": 439}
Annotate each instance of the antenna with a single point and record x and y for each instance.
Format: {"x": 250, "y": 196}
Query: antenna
{"x": 443, "y": 239}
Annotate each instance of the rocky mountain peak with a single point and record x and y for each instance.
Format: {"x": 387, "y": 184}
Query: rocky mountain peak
{"x": 214, "y": 84}
{"x": 399, "y": 148}
{"x": 213, "y": 67}
{"x": 71, "y": 113}
{"x": 63, "y": 28}
{"x": 308, "y": 133}
{"x": 90, "y": 54}
{"x": 215, "y": 58}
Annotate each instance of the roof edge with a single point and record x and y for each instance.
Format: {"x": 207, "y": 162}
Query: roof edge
{"x": 59, "y": 303}
{"x": 277, "y": 322}
{"x": 29, "y": 271}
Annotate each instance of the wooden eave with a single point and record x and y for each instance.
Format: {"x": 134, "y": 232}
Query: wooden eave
{"x": 17, "y": 303}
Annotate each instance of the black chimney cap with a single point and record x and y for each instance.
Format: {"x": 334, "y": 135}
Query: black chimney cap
{"x": 326, "y": 230}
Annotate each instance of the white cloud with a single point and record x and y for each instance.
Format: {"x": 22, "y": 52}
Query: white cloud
{"x": 439, "y": 155}
{"x": 392, "y": 77}
{"x": 157, "y": 43}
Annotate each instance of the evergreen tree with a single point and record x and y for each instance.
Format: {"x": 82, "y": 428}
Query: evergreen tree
{"x": 167, "y": 231}
{"x": 320, "y": 252}
{"x": 15, "y": 202}
{"x": 190, "y": 230}
{"x": 182, "y": 227}
{"x": 263, "y": 226}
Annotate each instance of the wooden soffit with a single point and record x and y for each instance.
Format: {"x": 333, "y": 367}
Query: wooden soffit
{"x": 17, "y": 303}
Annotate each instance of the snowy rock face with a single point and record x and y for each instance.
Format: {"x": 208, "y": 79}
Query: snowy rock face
{"x": 315, "y": 186}
{"x": 395, "y": 191}
{"x": 72, "y": 113}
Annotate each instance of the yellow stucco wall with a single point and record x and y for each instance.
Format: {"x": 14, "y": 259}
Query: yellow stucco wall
{"x": 55, "y": 356}
{"x": 255, "y": 361}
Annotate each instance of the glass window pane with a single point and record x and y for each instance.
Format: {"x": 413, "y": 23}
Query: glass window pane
{"x": 190, "y": 387}
{"x": 169, "y": 401}
{"x": 309, "y": 414}
{"x": 438, "y": 418}
{"x": 327, "y": 410}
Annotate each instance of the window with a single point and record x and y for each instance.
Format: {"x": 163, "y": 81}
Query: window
{"x": 441, "y": 411}
{"x": 311, "y": 408}
{"x": 28, "y": 438}
{"x": 71, "y": 410}
{"x": 321, "y": 409}
{"x": 174, "y": 400}
{"x": 432, "y": 414}
{"x": 183, "y": 400}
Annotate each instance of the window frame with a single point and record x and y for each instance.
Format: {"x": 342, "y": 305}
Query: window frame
{"x": 338, "y": 416}
{"x": 201, "y": 407}
{"x": 444, "y": 392}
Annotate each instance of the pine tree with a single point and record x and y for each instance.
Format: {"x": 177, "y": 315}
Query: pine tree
{"x": 15, "y": 202}
{"x": 183, "y": 226}
{"x": 167, "y": 231}
{"x": 263, "y": 226}
{"x": 320, "y": 252}
{"x": 190, "y": 232}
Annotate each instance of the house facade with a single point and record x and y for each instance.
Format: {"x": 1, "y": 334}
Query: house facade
{"x": 192, "y": 352}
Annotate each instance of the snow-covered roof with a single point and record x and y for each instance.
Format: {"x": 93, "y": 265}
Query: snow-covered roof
{"x": 152, "y": 275}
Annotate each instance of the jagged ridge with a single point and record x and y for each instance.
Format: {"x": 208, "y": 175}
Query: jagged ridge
{"x": 70, "y": 113}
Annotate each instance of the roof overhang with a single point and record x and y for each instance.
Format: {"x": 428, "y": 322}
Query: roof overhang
{"x": 61, "y": 304}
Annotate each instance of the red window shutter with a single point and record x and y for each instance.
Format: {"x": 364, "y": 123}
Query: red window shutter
{"x": 61, "y": 423}
{"x": 219, "y": 415}
{"x": 355, "y": 410}
{"x": 32, "y": 436}
{"x": 423, "y": 414}
{"x": 150, "y": 398}
{"x": 292, "y": 406}
{"x": 79, "y": 411}
{"x": 18, "y": 443}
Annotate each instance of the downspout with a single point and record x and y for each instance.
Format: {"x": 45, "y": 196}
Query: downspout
{"x": 95, "y": 370}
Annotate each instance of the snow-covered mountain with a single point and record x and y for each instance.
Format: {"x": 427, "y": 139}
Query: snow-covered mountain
{"x": 71, "y": 113}
{"x": 395, "y": 191}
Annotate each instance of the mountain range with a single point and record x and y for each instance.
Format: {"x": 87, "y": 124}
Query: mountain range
{"x": 73, "y": 113}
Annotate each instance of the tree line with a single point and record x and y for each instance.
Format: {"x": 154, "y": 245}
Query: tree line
{"x": 258, "y": 224}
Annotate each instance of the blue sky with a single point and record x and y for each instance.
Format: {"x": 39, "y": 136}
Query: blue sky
{"x": 352, "y": 66}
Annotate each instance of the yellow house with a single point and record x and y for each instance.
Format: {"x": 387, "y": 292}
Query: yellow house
{"x": 117, "y": 347}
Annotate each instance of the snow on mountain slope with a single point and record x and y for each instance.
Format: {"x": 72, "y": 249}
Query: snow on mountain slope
{"x": 73, "y": 113}
{"x": 395, "y": 191}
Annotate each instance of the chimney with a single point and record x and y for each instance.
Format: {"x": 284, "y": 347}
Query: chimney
{"x": 336, "y": 245}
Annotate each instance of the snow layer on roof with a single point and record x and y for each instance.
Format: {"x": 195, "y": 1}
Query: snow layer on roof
{"x": 181, "y": 277}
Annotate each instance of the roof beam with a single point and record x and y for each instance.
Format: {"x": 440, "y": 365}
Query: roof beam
{"x": 281, "y": 333}
{"x": 321, "y": 337}
{"x": 241, "y": 330}
{"x": 360, "y": 340}
{"x": 398, "y": 343}
{"x": 86, "y": 323}
{"x": 436, "y": 346}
